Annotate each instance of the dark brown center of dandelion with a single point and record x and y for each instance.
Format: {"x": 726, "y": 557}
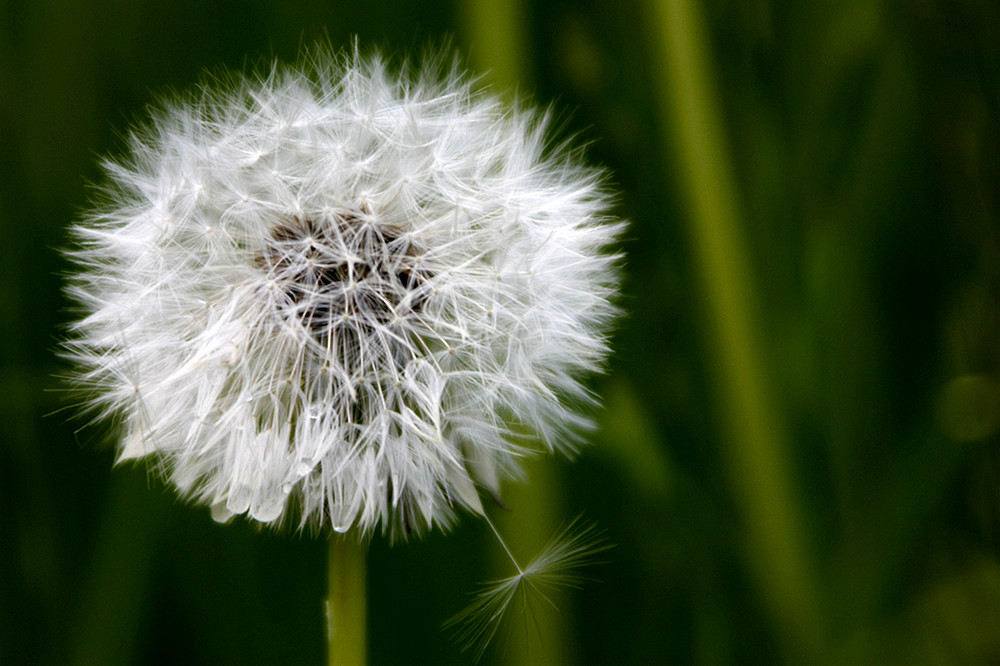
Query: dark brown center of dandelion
{"x": 343, "y": 276}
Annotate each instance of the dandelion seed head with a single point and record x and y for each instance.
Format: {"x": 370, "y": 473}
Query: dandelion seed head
{"x": 343, "y": 293}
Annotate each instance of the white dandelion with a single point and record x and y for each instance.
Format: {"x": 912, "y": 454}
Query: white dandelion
{"x": 347, "y": 297}
{"x": 343, "y": 294}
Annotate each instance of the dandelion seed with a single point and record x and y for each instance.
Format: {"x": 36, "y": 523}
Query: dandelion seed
{"x": 556, "y": 566}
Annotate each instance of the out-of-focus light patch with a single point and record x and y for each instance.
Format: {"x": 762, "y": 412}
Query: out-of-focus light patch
{"x": 968, "y": 407}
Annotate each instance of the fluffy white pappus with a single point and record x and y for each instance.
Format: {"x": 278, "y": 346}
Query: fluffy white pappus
{"x": 343, "y": 293}
{"x": 556, "y": 566}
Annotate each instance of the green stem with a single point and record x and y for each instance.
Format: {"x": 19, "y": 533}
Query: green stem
{"x": 498, "y": 34}
{"x": 346, "y": 608}
{"x": 760, "y": 471}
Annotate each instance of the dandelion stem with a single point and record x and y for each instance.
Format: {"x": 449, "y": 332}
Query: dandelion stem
{"x": 346, "y": 605}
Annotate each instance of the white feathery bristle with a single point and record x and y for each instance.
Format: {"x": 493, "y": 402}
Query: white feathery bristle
{"x": 556, "y": 566}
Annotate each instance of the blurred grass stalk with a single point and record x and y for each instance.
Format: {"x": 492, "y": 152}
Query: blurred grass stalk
{"x": 495, "y": 31}
{"x": 347, "y": 604}
{"x": 500, "y": 48}
{"x": 755, "y": 443}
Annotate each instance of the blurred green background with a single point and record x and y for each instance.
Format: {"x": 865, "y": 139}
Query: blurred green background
{"x": 799, "y": 457}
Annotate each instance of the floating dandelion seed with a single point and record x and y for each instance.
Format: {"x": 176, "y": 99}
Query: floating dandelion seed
{"x": 342, "y": 295}
{"x": 556, "y": 566}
